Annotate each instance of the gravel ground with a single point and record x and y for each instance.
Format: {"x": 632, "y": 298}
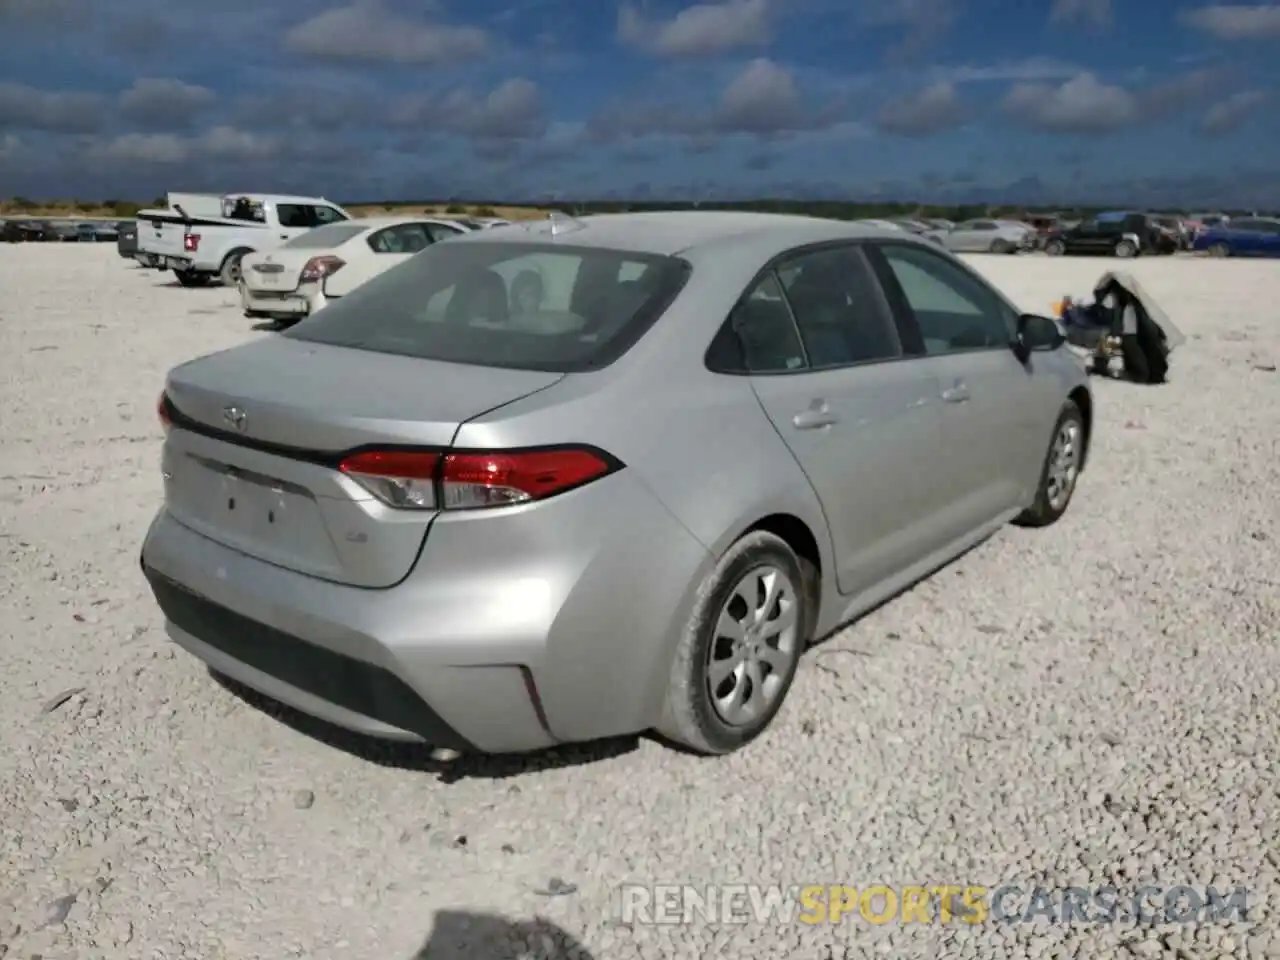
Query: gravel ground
{"x": 1089, "y": 704}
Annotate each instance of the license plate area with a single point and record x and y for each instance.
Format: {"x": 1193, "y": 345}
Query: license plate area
{"x": 266, "y": 517}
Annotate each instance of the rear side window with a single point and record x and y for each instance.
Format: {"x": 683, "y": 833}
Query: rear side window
{"x": 403, "y": 238}
{"x": 326, "y": 237}
{"x": 838, "y": 309}
{"x": 551, "y": 307}
{"x": 439, "y": 231}
{"x": 295, "y": 215}
{"x": 759, "y": 336}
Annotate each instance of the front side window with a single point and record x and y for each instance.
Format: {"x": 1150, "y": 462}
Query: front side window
{"x": 551, "y": 307}
{"x": 955, "y": 310}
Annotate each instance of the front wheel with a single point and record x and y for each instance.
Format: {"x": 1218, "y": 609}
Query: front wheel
{"x": 1219, "y": 250}
{"x": 1060, "y": 472}
{"x": 738, "y": 655}
{"x": 1055, "y": 248}
{"x": 1001, "y": 246}
{"x": 1126, "y": 249}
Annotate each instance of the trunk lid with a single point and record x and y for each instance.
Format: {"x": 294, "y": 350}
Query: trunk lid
{"x": 251, "y": 459}
{"x": 278, "y": 271}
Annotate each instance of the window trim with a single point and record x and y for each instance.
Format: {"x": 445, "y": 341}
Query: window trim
{"x": 859, "y": 247}
{"x": 898, "y": 296}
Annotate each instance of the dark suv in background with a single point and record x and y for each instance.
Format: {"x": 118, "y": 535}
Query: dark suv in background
{"x": 1120, "y": 234}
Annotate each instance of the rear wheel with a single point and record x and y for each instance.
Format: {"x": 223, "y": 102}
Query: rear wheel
{"x": 1126, "y": 249}
{"x": 1060, "y": 472}
{"x": 230, "y": 272}
{"x": 738, "y": 655}
{"x": 1219, "y": 250}
{"x": 1055, "y": 248}
{"x": 1001, "y": 246}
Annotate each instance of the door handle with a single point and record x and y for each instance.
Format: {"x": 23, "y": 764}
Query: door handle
{"x": 817, "y": 416}
{"x": 284, "y": 236}
{"x": 958, "y": 393}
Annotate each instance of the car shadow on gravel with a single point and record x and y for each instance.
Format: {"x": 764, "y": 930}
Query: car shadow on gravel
{"x": 422, "y": 758}
{"x": 463, "y": 935}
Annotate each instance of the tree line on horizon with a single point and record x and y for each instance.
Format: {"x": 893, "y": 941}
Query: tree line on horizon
{"x": 829, "y": 209}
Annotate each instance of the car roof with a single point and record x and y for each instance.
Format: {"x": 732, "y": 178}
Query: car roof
{"x": 379, "y": 222}
{"x": 678, "y": 232}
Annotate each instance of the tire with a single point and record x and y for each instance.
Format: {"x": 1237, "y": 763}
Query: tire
{"x": 1219, "y": 250}
{"x": 690, "y": 717}
{"x": 1047, "y": 508}
{"x": 229, "y": 273}
{"x": 1055, "y": 248}
{"x": 1126, "y": 250}
{"x": 189, "y": 278}
{"x": 1001, "y": 246}
{"x": 1099, "y": 366}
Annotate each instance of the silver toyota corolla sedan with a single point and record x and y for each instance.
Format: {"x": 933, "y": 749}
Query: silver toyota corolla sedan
{"x": 589, "y": 477}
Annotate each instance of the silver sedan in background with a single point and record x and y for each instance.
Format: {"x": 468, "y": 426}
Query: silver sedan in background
{"x": 987, "y": 236}
{"x": 593, "y": 477}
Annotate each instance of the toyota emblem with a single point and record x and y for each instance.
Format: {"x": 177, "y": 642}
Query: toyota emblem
{"x": 236, "y": 417}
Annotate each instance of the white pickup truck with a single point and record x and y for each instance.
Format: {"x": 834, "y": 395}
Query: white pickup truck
{"x": 202, "y": 248}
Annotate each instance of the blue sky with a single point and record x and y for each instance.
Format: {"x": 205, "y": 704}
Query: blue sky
{"x": 1131, "y": 101}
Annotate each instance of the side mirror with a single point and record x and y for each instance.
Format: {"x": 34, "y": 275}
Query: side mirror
{"x": 1037, "y": 334}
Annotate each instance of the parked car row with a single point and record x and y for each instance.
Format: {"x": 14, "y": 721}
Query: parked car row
{"x": 588, "y": 477}
{"x": 286, "y": 255}
{"x": 1122, "y": 233}
{"x": 56, "y": 231}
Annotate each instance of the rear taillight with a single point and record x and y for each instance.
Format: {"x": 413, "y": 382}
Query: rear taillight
{"x": 191, "y": 242}
{"x": 401, "y": 479}
{"x": 318, "y": 268}
{"x": 466, "y": 481}
{"x": 162, "y": 411}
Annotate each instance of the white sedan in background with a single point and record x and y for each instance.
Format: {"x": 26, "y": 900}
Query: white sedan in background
{"x": 299, "y": 277}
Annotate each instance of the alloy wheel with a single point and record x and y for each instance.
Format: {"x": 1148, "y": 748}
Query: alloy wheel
{"x": 754, "y": 641}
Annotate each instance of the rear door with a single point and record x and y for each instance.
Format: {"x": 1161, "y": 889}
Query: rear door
{"x": 829, "y": 367}
{"x": 961, "y": 237}
{"x": 994, "y": 409}
{"x": 367, "y": 256}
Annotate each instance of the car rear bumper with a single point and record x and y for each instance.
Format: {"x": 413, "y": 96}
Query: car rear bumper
{"x": 550, "y": 630}
{"x": 306, "y": 299}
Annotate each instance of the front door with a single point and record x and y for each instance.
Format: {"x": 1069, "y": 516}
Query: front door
{"x": 859, "y": 417}
{"x": 992, "y": 406}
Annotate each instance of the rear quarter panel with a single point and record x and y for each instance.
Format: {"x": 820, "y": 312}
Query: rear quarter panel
{"x": 699, "y": 443}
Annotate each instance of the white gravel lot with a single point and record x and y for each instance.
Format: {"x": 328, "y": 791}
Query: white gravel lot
{"x": 1091, "y": 703}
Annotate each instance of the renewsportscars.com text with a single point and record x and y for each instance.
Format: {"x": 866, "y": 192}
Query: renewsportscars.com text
{"x": 969, "y": 904}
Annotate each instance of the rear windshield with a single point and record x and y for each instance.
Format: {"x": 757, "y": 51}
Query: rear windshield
{"x": 550, "y": 307}
{"x": 326, "y": 237}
